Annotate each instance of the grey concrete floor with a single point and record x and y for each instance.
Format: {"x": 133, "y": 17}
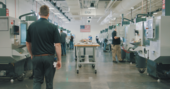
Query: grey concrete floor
{"x": 110, "y": 76}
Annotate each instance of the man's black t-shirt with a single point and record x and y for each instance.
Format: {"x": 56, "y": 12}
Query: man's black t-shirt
{"x": 115, "y": 41}
{"x": 42, "y": 35}
{"x": 71, "y": 38}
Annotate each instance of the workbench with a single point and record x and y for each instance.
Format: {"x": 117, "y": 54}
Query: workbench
{"x": 78, "y": 52}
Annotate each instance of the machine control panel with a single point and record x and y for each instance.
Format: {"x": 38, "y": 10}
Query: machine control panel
{"x": 121, "y": 31}
{"x": 150, "y": 29}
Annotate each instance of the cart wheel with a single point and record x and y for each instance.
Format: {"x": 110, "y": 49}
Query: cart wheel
{"x": 159, "y": 80}
{"x": 79, "y": 66}
{"x": 141, "y": 70}
{"x": 12, "y": 80}
{"x": 77, "y": 71}
{"x": 93, "y": 66}
{"x": 148, "y": 74}
{"x": 95, "y": 71}
{"x": 21, "y": 78}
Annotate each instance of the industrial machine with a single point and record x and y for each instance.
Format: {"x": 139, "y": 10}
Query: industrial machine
{"x": 127, "y": 35}
{"x": 147, "y": 39}
{"x": 13, "y": 52}
{"x": 158, "y": 54}
{"x": 15, "y": 60}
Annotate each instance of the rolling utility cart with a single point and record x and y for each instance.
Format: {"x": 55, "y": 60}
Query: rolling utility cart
{"x": 78, "y": 52}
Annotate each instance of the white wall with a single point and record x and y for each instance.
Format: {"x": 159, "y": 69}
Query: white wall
{"x": 74, "y": 26}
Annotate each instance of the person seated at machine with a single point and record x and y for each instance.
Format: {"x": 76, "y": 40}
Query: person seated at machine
{"x": 71, "y": 42}
{"x": 90, "y": 38}
{"x": 97, "y": 39}
{"x": 63, "y": 42}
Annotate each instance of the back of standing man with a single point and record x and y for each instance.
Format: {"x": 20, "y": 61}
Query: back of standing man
{"x": 71, "y": 42}
{"x": 63, "y": 42}
{"x": 116, "y": 50}
{"x": 41, "y": 37}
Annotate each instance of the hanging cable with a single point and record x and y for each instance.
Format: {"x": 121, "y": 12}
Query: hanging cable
{"x": 15, "y": 8}
{"x": 142, "y": 6}
{"x": 146, "y": 6}
{"x": 150, "y": 8}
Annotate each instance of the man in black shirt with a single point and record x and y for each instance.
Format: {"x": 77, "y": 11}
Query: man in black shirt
{"x": 105, "y": 44}
{"x": 71, "y": 42}
{"x": 41, "y": 38}
{"x": 116, "y": 50}
{"x": 97, "y": 39}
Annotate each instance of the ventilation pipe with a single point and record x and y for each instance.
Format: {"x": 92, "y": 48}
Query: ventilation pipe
{"x": 3, "y": 5}
{"x": 109, "y": 4}
{"x": 125, "y": 6}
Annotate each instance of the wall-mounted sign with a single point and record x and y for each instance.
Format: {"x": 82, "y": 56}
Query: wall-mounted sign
{"x": 85, "y": 28}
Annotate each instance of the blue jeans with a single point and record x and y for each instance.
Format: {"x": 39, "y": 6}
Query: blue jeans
{"x": 71, "y": 45}
{"x": 105, "y": 46}
{"x": 63, "y": 47}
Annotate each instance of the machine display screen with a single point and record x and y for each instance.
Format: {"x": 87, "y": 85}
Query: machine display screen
{"x": 149, "y": 24}
{"x": 68, "y": 34}
{"x": 23, "y": 30}
{"x": 16, "y": 30}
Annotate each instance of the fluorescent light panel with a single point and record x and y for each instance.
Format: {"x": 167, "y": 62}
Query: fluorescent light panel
{"x": 60, "y": 17}
{"x": 57, "y": 13}
{"x": 91, "y": 8}
{"x": 51, "y": 8}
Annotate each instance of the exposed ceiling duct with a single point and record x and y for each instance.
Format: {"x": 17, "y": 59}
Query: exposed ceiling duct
{"x": 88, "y": 3}
{"x": 111, "y": 3}
{"x": 54, "y": 9}
{"x": 74, "y": 6}
{"x": 123, "y": 7}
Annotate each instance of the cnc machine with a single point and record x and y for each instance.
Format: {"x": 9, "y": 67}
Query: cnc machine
{"x": 15, "y": 60}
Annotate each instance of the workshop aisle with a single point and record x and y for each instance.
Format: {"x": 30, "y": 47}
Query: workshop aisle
{"x": 110, "y": 76}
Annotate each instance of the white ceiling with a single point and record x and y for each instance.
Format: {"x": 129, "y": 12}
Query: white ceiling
{"x": 78, "y": 9}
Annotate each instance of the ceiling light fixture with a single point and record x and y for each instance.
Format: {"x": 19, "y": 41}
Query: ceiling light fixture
{"x": 143, "y": 17}
{"x": 51, "y": 8}
{"x": 65, "y": 20}
{"x": 91, "y": 8}
{"x": 57, "y": 13}
{"x": 155, "y": 13}
{"x": 132, "y": 8}
{"x": 61, "y": 17}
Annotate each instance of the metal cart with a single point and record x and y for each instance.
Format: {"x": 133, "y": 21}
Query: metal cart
{"x": 79, "y": 63}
